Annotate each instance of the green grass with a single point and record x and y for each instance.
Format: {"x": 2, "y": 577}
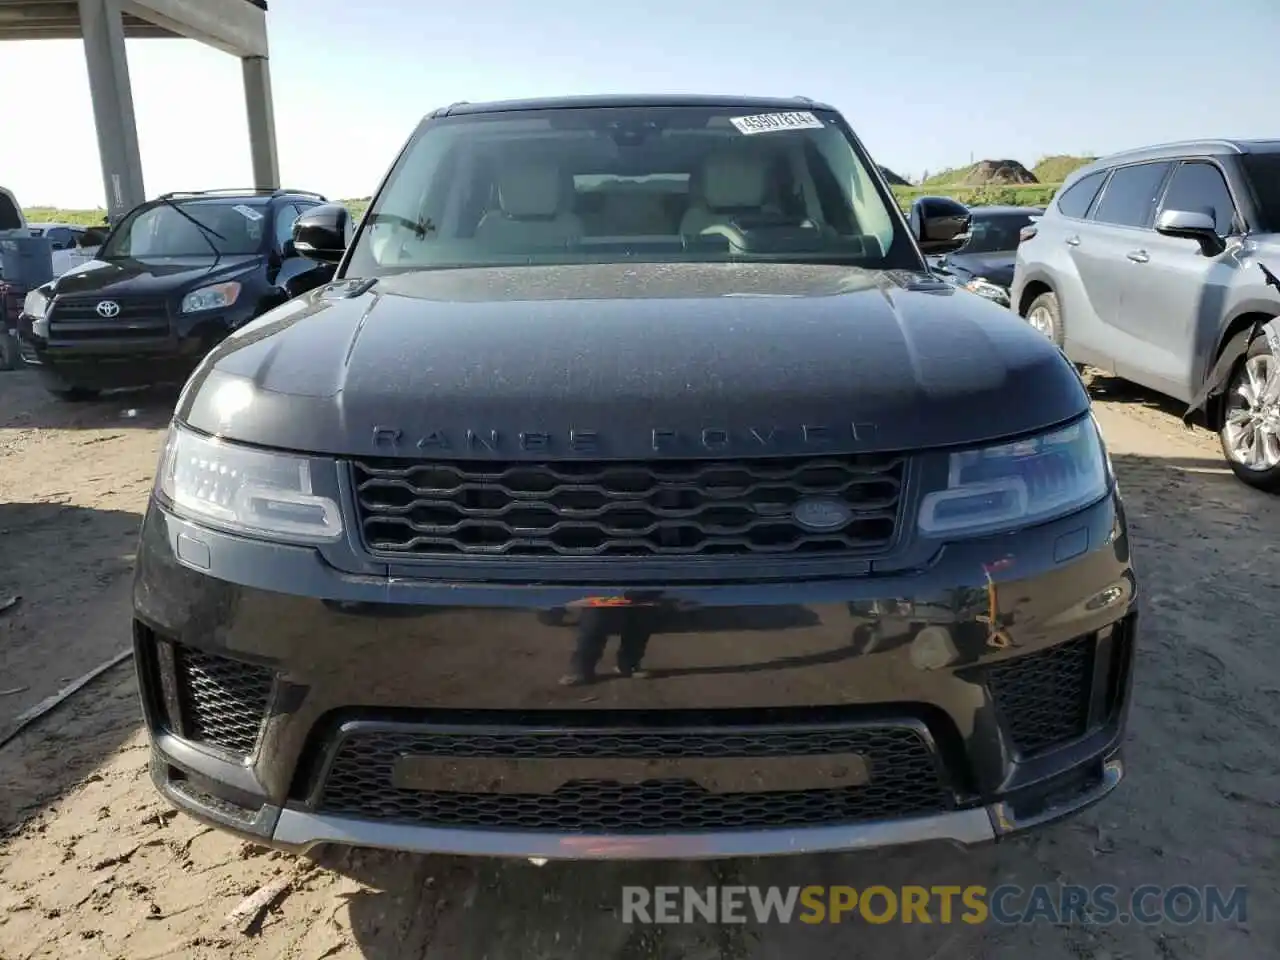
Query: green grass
{"x": 1024, "y": 195}
{"x": 948, "y": 177}
{"x": 1058, "y": 168}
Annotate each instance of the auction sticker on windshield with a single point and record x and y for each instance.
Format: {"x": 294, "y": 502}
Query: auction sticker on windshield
{"x": 247, "y": 212}
{"x": 771, "y": 122}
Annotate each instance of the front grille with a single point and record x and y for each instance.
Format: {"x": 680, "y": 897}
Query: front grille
{"x": 1043, "y": 698}
{"x": 222, "y": 702}
{"x": 903, "y": 778}
{"x": 641, "y": 509}
{"x": 78, "y": 318}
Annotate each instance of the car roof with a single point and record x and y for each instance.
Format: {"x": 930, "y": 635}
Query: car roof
{"x": 1181, "y": 148}
{"x": 632, "y": 100}
{"x": 996, "y": 208}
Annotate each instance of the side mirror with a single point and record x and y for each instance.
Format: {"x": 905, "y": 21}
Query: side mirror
{"x": 321, "y": 233}
{"x": 939, "y": 224}
{"x": 1192, "y": 225}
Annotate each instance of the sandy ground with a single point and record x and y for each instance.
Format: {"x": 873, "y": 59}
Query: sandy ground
{"x": 94, "y": 865}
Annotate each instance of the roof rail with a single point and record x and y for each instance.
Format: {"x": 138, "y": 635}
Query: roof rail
{"x": 235, "y": 191}
{"x": 459, "y": 103}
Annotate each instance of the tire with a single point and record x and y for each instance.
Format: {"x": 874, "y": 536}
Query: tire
{"x": 1044, "y": 314}
{"x": 10, "y": 358}
{"x": 1255, "y": 461}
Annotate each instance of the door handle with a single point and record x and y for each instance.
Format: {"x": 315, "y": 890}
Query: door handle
{"x": 1073, "y": 241}
{"x": 1138, "y": 256}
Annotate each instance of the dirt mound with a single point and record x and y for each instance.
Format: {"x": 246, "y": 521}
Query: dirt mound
{"x": 999, "y": 173}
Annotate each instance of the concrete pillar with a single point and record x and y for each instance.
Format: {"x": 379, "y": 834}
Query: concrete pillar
{"x": 112, "y": 105}
{"x": 262, "y": 121}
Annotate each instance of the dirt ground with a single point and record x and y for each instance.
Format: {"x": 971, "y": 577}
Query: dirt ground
{"x": 93, "y": 864}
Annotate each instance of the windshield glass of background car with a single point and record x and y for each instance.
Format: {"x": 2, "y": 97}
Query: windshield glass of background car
{"x": 161, "y": 231}
{"x": 995, "y": 233}
{"x": 605, "y": 185}
{"x": 1263, "y": 170}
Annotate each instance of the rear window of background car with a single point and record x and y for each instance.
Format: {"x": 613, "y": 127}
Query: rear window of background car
{"x": 1129, "y": 199}
{"x": 1078, "y": 197}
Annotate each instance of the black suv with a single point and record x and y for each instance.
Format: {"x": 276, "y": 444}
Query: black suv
{"x": 174, "y": 277}
{"x": 670, "y": 369}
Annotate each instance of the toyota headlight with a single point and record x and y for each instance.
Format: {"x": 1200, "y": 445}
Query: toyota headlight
{"x": 243, "y": 490}
{"x": 36, "y": 304}
{"x": 212, "y": 297}
{"x": 988, "y": 290}
{"x": 1018, "y": 484}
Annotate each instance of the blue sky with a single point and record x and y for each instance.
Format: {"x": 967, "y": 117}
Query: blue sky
{"x": 927, "y": 83}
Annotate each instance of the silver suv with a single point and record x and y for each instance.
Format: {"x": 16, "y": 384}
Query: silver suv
{"x": 1152, "y": 265}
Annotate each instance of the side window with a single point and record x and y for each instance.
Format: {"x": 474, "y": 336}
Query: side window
{"x": 1078, "y": 198}
{"x": 286, "y": 213}
{"x": 1198, "y": 187}
{"x": 1130, "y": 197}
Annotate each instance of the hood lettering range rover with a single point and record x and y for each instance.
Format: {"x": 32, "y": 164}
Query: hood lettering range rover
{"x": 661, "y": 439}
{"x": 648, "y": 395}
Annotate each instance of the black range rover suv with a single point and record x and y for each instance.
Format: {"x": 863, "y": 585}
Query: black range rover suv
{"x": 633, "y": 491}
{"x": 174, "y": 277}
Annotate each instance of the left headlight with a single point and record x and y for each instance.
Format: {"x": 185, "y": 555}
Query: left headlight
{"x": 1018, "y": 484}
{"x": 243, "y": 490}
{"x": 211, "y": 297}
{"x": 36, "y": 304}
{"x": 988, "y": 290}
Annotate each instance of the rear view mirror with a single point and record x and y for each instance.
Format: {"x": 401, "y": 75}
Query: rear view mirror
{"x": 939, "y": 224}
{"x": 321, "y": 232}
{"x": 1192, "y": 225}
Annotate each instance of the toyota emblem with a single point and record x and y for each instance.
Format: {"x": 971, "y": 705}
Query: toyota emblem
{"x": 108, "y": 309}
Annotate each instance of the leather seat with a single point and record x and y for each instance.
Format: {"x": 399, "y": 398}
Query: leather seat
{"x": 729, "y": 184}
{"x": 533, "y": 201}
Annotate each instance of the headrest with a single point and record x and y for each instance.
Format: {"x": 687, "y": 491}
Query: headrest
{"x": 529, "y": 189}
{"x": 734, "y": 180}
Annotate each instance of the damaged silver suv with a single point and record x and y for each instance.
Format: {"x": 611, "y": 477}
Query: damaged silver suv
{"x": 1156, "y": 265}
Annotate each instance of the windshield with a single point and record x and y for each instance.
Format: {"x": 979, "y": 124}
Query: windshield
{"x": 158, "y": 230}
{"x": 605, "y": 185}
{"x": 1263, "y": 171}
{"x": 995, "y": 233}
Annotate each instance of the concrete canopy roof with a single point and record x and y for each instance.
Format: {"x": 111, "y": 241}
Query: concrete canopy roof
{"x": 236, "y": 26}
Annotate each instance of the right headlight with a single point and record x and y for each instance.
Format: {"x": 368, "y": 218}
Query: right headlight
{"x": 244, "y": 490}
{"x": 36, "y": 304}
{"x": 1012, "y": 485}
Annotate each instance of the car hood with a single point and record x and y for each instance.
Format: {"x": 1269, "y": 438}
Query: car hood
{"x": 996, "y": 267}
{"x": 146, "y": 277}
{"x": 632, "y": 361}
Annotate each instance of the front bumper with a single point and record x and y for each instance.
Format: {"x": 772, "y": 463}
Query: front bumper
{"x": 105, "y": 355}
{"x": 296, "y": 704}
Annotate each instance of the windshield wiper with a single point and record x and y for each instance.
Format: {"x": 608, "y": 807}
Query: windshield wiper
{"x": 420, "y": 228}
{"x": 205, "y": 229}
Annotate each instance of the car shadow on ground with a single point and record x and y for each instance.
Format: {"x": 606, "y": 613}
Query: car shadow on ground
{"x": 24, "y": 404}
{"x": 1103, "y": 386}
{"x": 65, "y": 574}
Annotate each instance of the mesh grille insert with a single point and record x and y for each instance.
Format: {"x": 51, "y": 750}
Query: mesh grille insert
{"x": 223, "y": 701}
{"x": 643, "y": 509}
{"x": 903, "y": 779}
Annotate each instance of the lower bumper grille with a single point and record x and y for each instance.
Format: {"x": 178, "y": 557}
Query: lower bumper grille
{"x": 1043, "y": 698}
{"x": 596, "y": 781}
{"x": 221, "y": 702}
